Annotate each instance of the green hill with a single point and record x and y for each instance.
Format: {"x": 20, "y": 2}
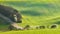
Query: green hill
{"x": 37, "y": 13}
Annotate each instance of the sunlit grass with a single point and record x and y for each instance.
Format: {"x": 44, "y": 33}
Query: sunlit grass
{"x": 43, "y": 31}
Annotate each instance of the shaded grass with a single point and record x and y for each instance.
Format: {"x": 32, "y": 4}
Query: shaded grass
{"x": 31, "y": 13}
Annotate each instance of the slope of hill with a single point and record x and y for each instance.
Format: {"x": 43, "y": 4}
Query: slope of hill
{"x": 37, "y": 13}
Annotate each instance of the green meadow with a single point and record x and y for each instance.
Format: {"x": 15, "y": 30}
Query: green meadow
{"x": 35, "y": 13}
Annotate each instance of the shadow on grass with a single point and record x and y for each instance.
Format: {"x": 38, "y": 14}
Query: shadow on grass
{"x": 56, "y": 21}
{"x": 31, "y": 13}
{"x": 29, "y": 4}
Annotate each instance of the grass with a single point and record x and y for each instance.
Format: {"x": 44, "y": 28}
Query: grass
{"x": 36, "y": 13}
{"x": 46, "y": 31}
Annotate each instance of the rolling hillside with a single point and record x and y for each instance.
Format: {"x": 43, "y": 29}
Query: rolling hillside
{"x": 36, "y": 13}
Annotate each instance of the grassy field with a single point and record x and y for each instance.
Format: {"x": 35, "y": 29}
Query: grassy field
{"x": 46, "y": 31}
{"x": 36, "y": 13}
